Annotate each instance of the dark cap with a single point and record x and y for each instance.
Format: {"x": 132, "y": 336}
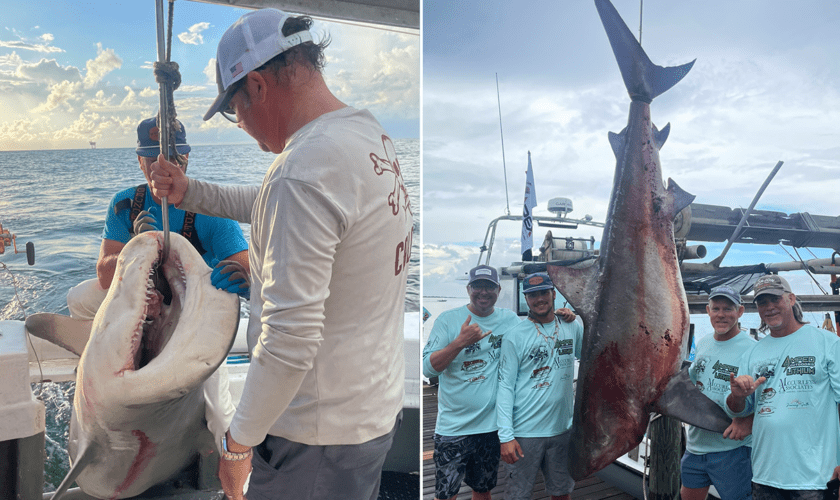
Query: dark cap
{"x": 148, "y": 139}
{"x": 484, "y": 273}
{"x": 536, "y": 282}
{"x": 770, "y": 284}
{"x": 728, "y": 292}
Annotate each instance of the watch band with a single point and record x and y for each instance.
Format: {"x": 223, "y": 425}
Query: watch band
{"x": 231, "y": 456}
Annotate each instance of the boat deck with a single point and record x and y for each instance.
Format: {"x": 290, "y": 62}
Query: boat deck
{"x": 591, "y": 488}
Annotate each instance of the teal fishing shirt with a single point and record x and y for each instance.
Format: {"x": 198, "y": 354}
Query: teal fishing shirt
{"x": 467, "y": 390}
{"x": 714, "y": 360}
{"x": 536, "y": 397}
{"x": 796, "y": 431}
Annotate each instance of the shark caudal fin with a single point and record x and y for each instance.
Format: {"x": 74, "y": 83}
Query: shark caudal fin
{"x": 87, "y": 454}
{"x": 643, "y": 79}
{"x": 684, "y": 401}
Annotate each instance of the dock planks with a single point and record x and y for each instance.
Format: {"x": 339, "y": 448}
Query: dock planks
{"x": 591, "y": 488}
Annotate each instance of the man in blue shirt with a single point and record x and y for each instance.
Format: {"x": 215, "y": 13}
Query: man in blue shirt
{"x": 215, "y": 239}
{"x": 790, "y": 380}
{"x": 536, "y": 398}
{"x": 712, "y": 458}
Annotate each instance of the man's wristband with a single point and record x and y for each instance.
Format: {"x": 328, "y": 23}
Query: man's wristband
{"x": 231, "y": 456}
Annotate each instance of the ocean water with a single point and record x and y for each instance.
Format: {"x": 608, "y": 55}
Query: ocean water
{"x": 57, "y": 200}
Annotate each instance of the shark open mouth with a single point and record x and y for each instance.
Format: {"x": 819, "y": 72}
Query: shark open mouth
{"x": 165, "y": 295}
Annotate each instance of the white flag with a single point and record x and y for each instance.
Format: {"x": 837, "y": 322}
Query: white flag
{"x": 527, "y": 221}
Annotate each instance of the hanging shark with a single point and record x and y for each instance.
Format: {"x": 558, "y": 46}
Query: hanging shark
{"x": 147, "y": 382}
{"x": 631, "y": 298}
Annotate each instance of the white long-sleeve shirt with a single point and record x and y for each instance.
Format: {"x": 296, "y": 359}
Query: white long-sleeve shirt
{"x": 331, "y": 231}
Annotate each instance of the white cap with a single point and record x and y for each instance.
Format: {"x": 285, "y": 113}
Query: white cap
{"x": 250, "y": 42}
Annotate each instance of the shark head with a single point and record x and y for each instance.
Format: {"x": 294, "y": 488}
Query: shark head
{"x": 139, "y": 407}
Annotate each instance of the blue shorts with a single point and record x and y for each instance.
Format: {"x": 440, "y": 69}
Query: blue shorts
{"x": 730, "y": 472}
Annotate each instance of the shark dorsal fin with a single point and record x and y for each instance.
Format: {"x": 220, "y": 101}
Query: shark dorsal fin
{"x": 86, "y": 455}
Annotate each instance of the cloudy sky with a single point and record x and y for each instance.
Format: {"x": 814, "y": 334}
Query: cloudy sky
{"x": 765, "y": 87}
{"x": 73, "y": 72}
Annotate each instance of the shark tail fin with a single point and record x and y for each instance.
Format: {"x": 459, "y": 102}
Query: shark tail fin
{"x": 682, "y": 400}
{"x": 643, "y": 79}
{"x": 86, "y": 455}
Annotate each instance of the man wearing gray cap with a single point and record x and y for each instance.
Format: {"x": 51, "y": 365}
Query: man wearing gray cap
{"x": 536, "y": 398}
{"x": 463, "y": 352}
{"x": 331, "y": 233}
{"x": 790, "y": 380}
{"x": 712, "y": 458}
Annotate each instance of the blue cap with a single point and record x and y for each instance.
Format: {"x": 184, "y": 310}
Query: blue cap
{"x": 536, "y": 282}
{"x": 728, "y": 292}
{"x": 148, "y": 139}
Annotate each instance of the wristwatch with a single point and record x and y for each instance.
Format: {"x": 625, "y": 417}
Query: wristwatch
{"x": 235, "y": 457}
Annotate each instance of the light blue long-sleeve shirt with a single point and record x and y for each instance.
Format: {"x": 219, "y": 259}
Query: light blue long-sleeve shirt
{"x": 713, "y": 362}
{"x": 536, "y": 372}
{"x": 467, "y": 387}
{"x": 796, "y": 432}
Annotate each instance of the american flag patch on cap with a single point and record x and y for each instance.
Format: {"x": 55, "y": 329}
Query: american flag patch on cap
{"x": 235, "y": 70}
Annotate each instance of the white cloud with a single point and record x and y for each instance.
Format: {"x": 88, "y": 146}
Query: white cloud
{"x": 11, "y": 60}
{"x": 148, "y": 92}
{"x": 210, "y": 71}
{"x": 193, "y": 35}
{"x": 105, "y": 62}
{"x": 192, "y": 88}
{"x": 60, "y": 95}
{"x": 47, "y": 37}
{"x": 48, "y": 71}
{"x": 36, "y": 47}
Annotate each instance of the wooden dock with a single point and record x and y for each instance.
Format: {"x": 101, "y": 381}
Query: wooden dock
{"x": 591, "y": 488}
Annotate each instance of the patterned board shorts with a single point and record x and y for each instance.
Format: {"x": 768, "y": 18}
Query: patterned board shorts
{"x": 473, "y": 459}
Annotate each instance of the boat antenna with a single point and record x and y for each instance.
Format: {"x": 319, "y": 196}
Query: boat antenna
{"x": 504, "y": 167}
{"x": 641, "y": 6}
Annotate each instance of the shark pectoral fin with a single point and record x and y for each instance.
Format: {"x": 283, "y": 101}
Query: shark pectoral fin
{"x": 678, "y": 198}
{"x": 66, "y": 332}
{"x": 572, "y": 283}
{"x": 86, "y": 455}
{"x": 683, "y": 401}
{"x": 660, "y": 136}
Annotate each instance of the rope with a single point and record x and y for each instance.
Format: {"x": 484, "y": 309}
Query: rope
{"x": 167, "y": 74}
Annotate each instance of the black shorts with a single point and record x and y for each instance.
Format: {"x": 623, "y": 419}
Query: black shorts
{"x": 473, "y": 459}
